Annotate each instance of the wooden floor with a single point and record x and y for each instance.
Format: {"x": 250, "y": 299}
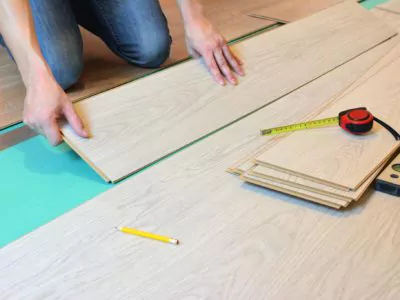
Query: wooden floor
{"x": 293, "y": 10}
{"x": 103, "y": 70}
{"x": 151, "y": 113}
{"x": 391, "y": 6}
{"x": 238, "y": 241}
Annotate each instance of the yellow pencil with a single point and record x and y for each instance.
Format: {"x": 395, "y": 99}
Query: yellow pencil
{"x": 148, "y": 235}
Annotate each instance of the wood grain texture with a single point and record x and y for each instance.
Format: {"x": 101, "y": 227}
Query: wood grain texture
{"x": 334, "y": 157}
{"x": 388, "y": 52}
{"x": 238, "y": 241}
{"x": 393, "y": 19}
{"x": 391, "y": 6}
{"x": 103, "y": 70}
{"x": 145, "y": 120}
{"x": 293, "y": 10}
{"x": 15, "y": 137}
{"x": 12, "y": 91}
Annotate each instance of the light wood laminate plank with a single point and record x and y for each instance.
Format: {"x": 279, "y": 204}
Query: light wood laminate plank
{"x": 238, "y": 241}
{"x": 391, "y": 6}
{"x": 292, "y": 10}
{"x": 294, "y": 191}
{"x": 143, "y": 121}
{"x": 334, "y": 157}
{"x": 392, "y": 48}
{"x": 103, "y": 70}
{"x": 393, "y": 19}
{"x": 309, "y": 185}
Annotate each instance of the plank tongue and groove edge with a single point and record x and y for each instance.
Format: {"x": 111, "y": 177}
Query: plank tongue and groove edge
{"x": 309, "y": 185}
{"x": 229, "y": 231}
{"x": 334, "y": 157}
{"x": 143, "y": 121}
{"x": 294, "y": 191}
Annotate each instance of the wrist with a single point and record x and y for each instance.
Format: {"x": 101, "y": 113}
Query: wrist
{"x": 38, "y": 72}
{"x": 192, "y": 12}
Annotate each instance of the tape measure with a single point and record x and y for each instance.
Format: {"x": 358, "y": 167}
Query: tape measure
{"x": 389, "y": 180}
{"x": 355, "y": 121}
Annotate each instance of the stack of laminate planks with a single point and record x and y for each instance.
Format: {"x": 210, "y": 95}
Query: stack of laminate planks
{"x": 330, "y": 166}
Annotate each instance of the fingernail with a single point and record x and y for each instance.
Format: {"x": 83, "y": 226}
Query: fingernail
{"x": 85, "y": 133}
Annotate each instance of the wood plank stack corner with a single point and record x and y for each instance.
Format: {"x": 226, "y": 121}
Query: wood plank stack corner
{"x": 329, "y": 166}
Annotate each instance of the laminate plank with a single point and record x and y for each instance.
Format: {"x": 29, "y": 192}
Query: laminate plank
{"x": 150, "y": 118}
{"x": 391, "y": 6}
{"x": 294, "y": 191}
{"x": 103, "y": 70}
{"x": 392, "y": 48}
{"x": 334, "y": 157}
{"x": 11, "y": 87}
{"x": 15, "y": 137}
{"x": 390, "y": 18}
{"x": 286, "y": 11}
{"x": 309, "y": 185}
{"x": 238, "y": 241}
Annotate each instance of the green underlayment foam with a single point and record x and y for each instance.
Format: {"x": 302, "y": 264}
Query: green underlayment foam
{"x": 39, "y": 183}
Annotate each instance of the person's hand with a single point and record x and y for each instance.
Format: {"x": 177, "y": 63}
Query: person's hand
{"x": 204, "y": 41}
{"x": 45, "y": 104}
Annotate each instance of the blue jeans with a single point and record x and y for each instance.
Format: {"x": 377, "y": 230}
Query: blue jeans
{"x": 135, "y": 30}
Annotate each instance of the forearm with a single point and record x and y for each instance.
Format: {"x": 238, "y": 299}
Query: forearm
{"x": 191, "y": 10}
{"x": 18, "y": 31}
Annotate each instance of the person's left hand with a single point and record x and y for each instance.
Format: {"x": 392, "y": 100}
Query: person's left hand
{"x": 204, "y": 41}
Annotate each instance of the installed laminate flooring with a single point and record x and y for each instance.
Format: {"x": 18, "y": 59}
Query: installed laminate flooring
{"x": 392, "y": 6}
{"x": 393, "y": 19}
{"x": 103, "y": 70}
{"x": 145, "y": 120}
{"x": 238, "y": 241}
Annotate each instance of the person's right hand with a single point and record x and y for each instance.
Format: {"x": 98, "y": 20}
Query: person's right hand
{"x": 45, "y": 103}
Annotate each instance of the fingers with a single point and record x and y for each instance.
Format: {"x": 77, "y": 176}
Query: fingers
{"x": 233, "y": 61}
{"x": 52, "y": 132}
{"x": 46, "y": 127}
{"x": 221, "y": 62}
{"x": 74, "y": 120}
{"x": 213, "y": 68}
{"x": 223, "y": 66}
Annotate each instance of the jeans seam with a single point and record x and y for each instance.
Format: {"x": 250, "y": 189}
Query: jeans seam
{"x": 108, "y": 24}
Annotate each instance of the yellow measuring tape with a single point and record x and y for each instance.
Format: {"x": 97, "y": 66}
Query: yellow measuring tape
{"x": 301, "y": 126}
